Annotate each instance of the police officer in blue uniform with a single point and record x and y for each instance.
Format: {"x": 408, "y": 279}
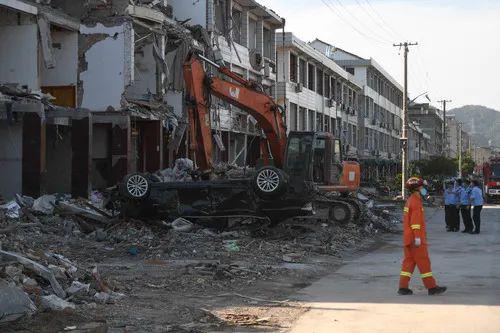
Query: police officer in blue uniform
{"x": 451, "y": 216}
{"x": 477, "y": 202}
{"x": 464, "y": 201}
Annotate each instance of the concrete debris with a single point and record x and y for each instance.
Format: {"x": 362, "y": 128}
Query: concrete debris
{"x": 14, "y": 303}
{"x": 182, "y": 171}
{"x": 78, "y": 288}
{"x": 182, "y": 225}
{"x": 73, "y": 260}
{"x": 45, "y": 204}
{"x": 12, "y": 209}
{"x": 37, "y": 268}
{"x": 55, "y": 303}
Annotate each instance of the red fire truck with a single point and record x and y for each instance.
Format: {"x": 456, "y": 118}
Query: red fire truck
{"x": 491, "y": 175}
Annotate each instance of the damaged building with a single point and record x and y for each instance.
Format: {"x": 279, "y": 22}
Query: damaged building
{"x": 94, "y": 90}
{"x": 242, "y": 35}
{"x": 83, "y": 95}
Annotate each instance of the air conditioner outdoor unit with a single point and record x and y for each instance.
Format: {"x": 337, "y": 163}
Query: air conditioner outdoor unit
{"x": 299, "y": 87}
{"x": 267, "y": 69}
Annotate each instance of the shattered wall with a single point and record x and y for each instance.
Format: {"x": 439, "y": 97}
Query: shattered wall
{"x": 194, "y": 10}
{"x": 19, "y": 55}
{"x": 65, "y": 48}
{"x": 144, "y": 72}
{"x": 106, "y": 60}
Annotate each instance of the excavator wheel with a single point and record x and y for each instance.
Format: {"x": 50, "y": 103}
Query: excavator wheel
{"x": 340, "y": 212}
{"x": 269, "y": 182}
{"x": 355, "y": 207}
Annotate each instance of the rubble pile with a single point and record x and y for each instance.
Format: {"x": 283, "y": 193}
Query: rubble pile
{"x": 64, "y": 255}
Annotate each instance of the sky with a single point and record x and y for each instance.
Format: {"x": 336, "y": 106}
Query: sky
{"x": 458, "y": 52}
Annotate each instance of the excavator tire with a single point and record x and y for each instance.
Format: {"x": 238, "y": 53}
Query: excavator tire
{"x": 340, "y": 212}
{"x": 136, "y": 186}
{"x": 269, "y": 182}
{"x": 356, "y": 208}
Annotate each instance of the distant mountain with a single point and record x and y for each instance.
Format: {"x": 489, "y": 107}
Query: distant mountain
{"x": 481, "y": 122}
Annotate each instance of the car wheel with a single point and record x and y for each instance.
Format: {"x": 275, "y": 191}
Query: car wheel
{"x": 269, "y": 182}
{"x": 136, "y": 186}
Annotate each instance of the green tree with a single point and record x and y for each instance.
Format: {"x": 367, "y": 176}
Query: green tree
{"x": 437, "y": 166}
{"x": 468, "y": 164}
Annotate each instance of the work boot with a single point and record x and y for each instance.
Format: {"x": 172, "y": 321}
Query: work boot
{"x": 405, "y": 291}
{"x": 436, "y": 291}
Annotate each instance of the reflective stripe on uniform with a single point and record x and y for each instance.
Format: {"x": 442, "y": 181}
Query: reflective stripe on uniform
{"x": 415, "y": 226}
{"x": 406, "y": 209}
{"x": 408, "y": 274}
{"x": 426, "y": 275}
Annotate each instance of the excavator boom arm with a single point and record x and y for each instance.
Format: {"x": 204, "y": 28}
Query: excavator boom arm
{"x": 239, "y": 93}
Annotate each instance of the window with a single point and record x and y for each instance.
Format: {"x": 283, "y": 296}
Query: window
{"x": 354, "y": 135}
{"x": 303, "y": 119}
{"x": 252, "y": 34}
{"x": 366, "y": 138}
{"x": 303, "y": 72}
{"x": 311, "y": 76}
{"x": 319, "y": 122}
{"x": 293, "y": 68}
{"x": 350, "y": 70}
{"x": 319, "y": 81}
{"x": 293, "y": 117}
{"x": 268, "y": 40}
{"x": 327, "y": 86}
{"x": 312, "y": 120}
{"x": 237, "y": 26}
{"x": 332, "y": 87}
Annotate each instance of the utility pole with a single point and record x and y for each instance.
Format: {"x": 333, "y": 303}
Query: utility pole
{"x": 404, "y": 137}
{"x": 459, "y": 150}
{"x": 445, "y": 137}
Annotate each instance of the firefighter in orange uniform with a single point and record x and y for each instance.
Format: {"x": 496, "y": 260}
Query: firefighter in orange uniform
{"x": 415, "y": 242}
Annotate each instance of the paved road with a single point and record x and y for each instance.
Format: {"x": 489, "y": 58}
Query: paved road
{"x": 361, "y": 295}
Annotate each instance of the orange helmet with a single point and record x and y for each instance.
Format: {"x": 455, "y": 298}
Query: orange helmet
{"x": 414, "y": 182}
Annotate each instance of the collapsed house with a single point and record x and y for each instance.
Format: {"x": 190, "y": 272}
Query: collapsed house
{"x": 93, "y": 90}
{"x": 83, "y": 94}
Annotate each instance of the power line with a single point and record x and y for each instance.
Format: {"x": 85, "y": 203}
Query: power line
{"x": 422, "y": 68}
{"x": 374, "y": 19}
{"x": 361, "y": 33}
{"x": 396, "y": 34}
{"x": 360, "y": 22}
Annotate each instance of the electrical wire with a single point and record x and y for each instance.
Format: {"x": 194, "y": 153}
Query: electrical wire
{"x": 361, "y": 33}
{"x": 360, "y": 22}
{"x": 384, "y": 22}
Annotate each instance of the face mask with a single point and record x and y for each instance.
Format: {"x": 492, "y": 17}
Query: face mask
{"x": 423, "y": 191}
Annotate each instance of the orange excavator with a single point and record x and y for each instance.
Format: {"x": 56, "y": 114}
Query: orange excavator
{"x": 294, "y": 160}
{"x": 301, "y": 171}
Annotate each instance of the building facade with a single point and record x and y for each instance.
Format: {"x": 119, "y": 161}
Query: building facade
{"x": 318, "y": 94}
{"x": 243, "y": 34}
{"x": 84, "y": 93}
{"x": 379, "y": 119}
{"x": 430, "y": 120}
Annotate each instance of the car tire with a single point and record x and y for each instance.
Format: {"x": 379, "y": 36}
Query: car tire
{"x": 269, "y": 182}
{"x": 136, "y": 186}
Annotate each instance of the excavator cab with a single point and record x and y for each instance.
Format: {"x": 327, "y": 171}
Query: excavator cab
{"x": 316, "y": 157}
